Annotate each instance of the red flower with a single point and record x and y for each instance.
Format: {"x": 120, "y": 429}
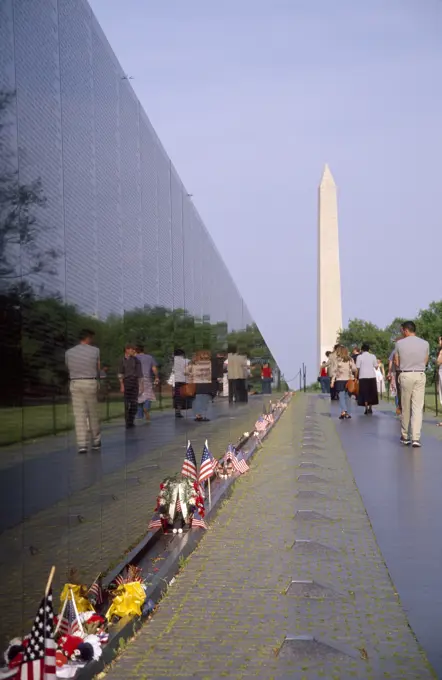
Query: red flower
{"x": 195, "y": 486}
{"x": 161, "y": 487}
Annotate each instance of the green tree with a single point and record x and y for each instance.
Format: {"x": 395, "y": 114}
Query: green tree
{"x": 359, "y": 331}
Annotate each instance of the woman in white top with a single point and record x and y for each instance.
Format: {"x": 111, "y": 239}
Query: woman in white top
{"x": 380, "y": 377}
{"x": 367, "y": 364}
{"x": 180, "y": 366}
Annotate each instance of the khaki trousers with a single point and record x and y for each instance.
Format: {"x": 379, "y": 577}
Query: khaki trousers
{"x": 85, "y": 405}
{"x": 412, "y": 402}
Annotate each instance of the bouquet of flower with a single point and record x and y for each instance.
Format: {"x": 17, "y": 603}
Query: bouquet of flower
{"x": 179, "y": 496}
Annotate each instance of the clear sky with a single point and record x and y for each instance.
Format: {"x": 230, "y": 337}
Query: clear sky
{"x": 251, "y": 97}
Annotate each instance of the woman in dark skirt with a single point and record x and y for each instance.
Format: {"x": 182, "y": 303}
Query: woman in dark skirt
{"x": 366, "y": 363}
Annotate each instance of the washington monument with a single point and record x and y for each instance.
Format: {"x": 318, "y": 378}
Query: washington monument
{"x": 329, "y": 273}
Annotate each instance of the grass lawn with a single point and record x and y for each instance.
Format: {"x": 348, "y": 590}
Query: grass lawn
{"x": 31, "y": 422}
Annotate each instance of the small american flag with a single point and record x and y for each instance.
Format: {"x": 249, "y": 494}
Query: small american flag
{"x": 208, "y": 465}
{"x": 155, "y": 522}
{"x": 95, "y": 592}
{"x": 189, "y": 465}
{"x": 198, "y": 521}
{"x": 68, "y": 623}
{"x": 39, "y": 655}
{"x": 239, "y": 463}
{"x": 260, "y": 425}
{"x": 229, "y": 454}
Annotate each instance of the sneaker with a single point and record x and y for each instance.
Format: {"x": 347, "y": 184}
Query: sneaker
{"x": 347, "y": 416}
{"x": 82, "y": 450}
{"x": 405, "y": 441}
{"x": 416, "y": 444}
{"x": 96, "y": 447}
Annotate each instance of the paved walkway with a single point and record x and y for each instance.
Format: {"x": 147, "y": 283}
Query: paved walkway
{"x": 401, "y": 490}
{"x": 289, "y": 581}
{"x": 86, "y": 511}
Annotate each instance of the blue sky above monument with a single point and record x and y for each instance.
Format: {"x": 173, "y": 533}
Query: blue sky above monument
{"x": 250, "y": 98}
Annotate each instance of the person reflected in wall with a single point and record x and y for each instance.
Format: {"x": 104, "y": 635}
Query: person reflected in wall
{"x": 217, "y": 373}
{"x": 236, "y": 372}
{"x": 200, "y": 374}
{"x": 130, "y": 375}
{"x": 266, "y": 378}
{"x": 150, "y": 378}
{"x": 179, "y": 371}
{"x": 83, "y": 364}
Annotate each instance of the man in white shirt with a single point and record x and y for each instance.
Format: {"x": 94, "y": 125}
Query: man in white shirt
{"x": 411, "y": 358}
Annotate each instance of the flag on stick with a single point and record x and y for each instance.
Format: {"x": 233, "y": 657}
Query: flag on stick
{"x": 189, "y": 466}
{"x": 68, "y": 624}
{"x": 198, "y": 521}
{"x": 208, "y": 465}
{"x": 239, "y": 463}
{"x": 95, "y": 592}
{"x": 155, "y": 522}
{"x": 39, "y": 655}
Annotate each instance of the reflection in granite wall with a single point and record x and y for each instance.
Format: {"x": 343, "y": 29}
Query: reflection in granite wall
{"x": 102, "y": 235}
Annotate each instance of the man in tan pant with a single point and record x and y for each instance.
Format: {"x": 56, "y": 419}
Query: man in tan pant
{"x": 83, "y": 362}
{"x": 411, "y": 358}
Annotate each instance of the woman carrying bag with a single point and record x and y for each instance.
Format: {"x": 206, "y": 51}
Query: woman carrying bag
{"x": 342, "y": 370}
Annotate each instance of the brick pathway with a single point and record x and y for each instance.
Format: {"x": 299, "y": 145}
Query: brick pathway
{"x": 233, "y": 610}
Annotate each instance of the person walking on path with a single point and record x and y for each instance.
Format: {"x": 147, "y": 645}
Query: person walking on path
{"x": 83, "y": 364}
{"x": 324, "y": 379}
{"x": 200, "y": 373}
{"x": 380, "y": 377}
{"x": 266, "y": 378}
{"x": 393, "y": 377}
{"x": 342, "y": 370}
{"x": 367, "y": 365}
{"x": 411, "y": 357}
{"x": 439, "y": 372}
{"x": 150, "y": 378}
{"x": 331, "y": 361}
{"x": 130, "y": 375}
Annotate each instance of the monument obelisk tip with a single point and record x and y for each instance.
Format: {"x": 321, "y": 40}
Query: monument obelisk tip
{"x": 327, "y": 177}
{"x": 329, "y": 275}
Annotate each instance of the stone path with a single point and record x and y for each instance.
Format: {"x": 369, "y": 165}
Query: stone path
{"x": 289, "y": 581}
{"x": 87, "y": 511}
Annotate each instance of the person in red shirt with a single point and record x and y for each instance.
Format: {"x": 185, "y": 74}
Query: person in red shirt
{"x": 266, "y": 379}
{"x": 324, "y": 379}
